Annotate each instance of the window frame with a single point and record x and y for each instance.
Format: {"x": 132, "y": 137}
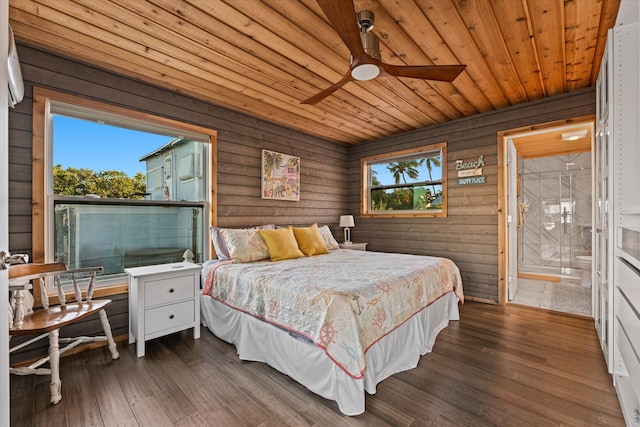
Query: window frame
{"x": 42, "y": 164}
{"x": 365, "y": 197}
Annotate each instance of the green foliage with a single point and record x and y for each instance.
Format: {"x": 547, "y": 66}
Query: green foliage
{"x": 421, "y": 197}
{"x": 106, "y": 184}
{"x": 401, "y": 199}
{"x": 417, "y": 198}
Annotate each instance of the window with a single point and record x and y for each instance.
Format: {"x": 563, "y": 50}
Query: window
{"x": 405, "y": 183}
{"x": 139, "y": 196}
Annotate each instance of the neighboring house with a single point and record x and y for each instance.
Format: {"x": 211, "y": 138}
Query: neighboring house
{"x": 175, "y": 171}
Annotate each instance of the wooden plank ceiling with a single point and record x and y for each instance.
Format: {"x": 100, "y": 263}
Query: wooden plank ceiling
{"x": 264, "y": 57}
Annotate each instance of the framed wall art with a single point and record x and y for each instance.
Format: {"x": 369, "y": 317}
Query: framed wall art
{"x": 280, "y": 176}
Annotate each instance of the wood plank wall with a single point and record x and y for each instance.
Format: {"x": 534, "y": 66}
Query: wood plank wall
{"x": 469, "y": 234}
{"x": 324, "y": 185}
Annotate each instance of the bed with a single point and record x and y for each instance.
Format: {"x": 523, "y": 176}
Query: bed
{"x": 338, "y": 322}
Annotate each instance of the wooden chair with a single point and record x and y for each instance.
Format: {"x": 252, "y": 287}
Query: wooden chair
{"x": 47, "y": 321}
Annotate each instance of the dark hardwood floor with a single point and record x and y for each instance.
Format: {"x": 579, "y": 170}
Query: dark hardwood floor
{"x": 505, "y": 366}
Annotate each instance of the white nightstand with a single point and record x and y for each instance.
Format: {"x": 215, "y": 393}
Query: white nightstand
{"x": 163, "y": 299}
{"x": 354, "y": 246}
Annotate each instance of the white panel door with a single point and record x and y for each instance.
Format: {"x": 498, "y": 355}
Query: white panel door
{"x": 602, "y": 255}
{"x": 4, "y": 213}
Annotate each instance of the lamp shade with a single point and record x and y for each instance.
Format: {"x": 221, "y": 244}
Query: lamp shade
{"x": 347, "y": 221}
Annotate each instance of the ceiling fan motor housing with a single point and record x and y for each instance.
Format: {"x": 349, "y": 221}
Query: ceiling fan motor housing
{"x": 371, "y": 44}
{"x": 369, "y": 40}
{"x": 365, "y": 20}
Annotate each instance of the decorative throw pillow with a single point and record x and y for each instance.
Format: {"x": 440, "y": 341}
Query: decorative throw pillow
{"x": 329, "y": 241}
{"x": 281, "y": 244}
{"x": 310, "y": 240}
{"x": 244, "y": 245}
{"x": 219, "y": 245}
{"x": 263, "y": 227}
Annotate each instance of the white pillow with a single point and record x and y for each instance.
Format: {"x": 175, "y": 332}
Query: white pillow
{"x": 329, "y": 241}
{"x": 222, "y": 252}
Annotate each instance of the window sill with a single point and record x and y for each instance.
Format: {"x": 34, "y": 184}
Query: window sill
{"x": 405, "y": 215}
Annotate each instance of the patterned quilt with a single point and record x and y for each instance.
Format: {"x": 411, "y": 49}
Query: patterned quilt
{"x": 344, "y": 301}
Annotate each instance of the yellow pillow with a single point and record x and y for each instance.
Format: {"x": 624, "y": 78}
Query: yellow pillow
{"x": 310, "y": 240}
{"x": 281, "y": 244}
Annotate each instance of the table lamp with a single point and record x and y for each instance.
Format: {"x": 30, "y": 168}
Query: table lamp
{"x": 346, "y": 221}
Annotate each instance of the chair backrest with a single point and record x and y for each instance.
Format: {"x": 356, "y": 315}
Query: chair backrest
{"x": 21, "y": 273}
{"x": 34, "y": 271}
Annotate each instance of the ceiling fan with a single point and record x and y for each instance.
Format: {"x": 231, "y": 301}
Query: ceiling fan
{"x": 365, "y": 51}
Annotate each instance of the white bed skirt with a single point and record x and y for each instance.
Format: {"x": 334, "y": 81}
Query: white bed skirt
{"x": 399, "y": 351}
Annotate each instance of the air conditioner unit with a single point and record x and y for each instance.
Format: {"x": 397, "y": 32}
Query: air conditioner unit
{"x": 14, "y": 76}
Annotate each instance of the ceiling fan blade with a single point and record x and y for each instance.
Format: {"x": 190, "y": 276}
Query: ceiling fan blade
{"x": 342, "y": 17}
{"x": 328, "y": 91}
{"x": 444, "y": 73}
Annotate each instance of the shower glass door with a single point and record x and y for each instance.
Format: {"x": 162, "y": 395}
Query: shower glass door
{"x": 557, "y": 222}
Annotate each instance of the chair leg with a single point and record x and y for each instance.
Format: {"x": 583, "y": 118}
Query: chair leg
{"x": 107, "y": 331}
{"x": 54, "y": 363}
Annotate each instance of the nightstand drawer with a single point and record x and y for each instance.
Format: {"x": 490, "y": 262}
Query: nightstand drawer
{"x": 163, "y": 291}
{"x": 169, "y": 316}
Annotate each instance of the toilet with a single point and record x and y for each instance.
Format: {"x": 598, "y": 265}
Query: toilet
{"x": 583, "y": 260}
{"x": 584, "y": 264}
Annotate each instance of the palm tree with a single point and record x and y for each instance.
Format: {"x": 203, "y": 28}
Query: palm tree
{"x": 374, "y": 179}
{"x": 404, "y": 169}
{"x": 430, "y": 163}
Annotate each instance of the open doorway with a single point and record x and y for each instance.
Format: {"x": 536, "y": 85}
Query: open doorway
{"x": 548, "y": 190}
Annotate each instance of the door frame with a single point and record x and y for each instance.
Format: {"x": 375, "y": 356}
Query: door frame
{"x": 512, "y": 218}
{"x": 503, "y": 187}
{"x": 4, "y": 214}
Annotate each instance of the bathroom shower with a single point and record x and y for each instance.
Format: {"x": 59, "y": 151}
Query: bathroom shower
{"x": 555, "y": 236}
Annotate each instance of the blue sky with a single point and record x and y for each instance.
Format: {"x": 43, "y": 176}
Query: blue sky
{"x": 83, "y": 144}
